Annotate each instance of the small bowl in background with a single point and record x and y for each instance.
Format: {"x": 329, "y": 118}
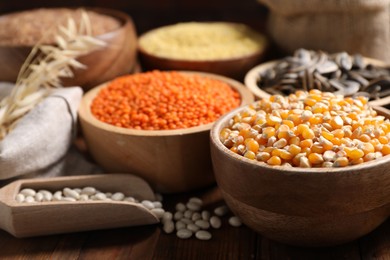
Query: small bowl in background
{"x": 254, "y": 75}
{"x": 303, "y": 206}
{"x": 170, "y": 160}
{"x": 233, "y": 67}
{"x": 115, "y": 59}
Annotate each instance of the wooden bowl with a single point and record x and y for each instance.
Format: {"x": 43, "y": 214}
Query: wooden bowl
{"x": 253, "y": 75}
{"x": 303, "y": 206}
{"x": 117, "y": 58}
{"x": 234, "y": 67}
{"x": 170, "y": 160}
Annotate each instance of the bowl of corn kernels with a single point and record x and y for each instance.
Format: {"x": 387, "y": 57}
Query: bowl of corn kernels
{"x": 308, "y": 169}
{"x": 156, "y": 125}
{"x": 223, "y": 48}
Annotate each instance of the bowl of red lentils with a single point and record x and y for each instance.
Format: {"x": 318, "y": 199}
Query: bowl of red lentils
{"x": 156, "y": 125}
{"x": 223, "y": 48}
{"x": 308, "y": 169}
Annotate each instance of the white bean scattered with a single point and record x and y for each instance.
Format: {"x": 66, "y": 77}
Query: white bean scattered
{"x": 118, "y": 196}
{"x": 47, "y": 196}
{"x": 147, "y": 204}
{"x": 157, "y": 204}
{"x": 180, "y": 207}
{"x": 178, "y": 215}
{"x": 84, "y": 197}
{"x": 221, "y": 211}
{"x": 184, "y": 233}
{"x": 206, "y": 215}
{"x": 129, "y": 199}
{"x": 70, "y": 199}
{"x": 215, "y": 222}
{"x": 28, "y": 192}
{"x": 108, "y": 195}
{"x": 203, "y": 224}
{"x": 20, "y": 197}
{"x": 38, "y": 197}
{"x": 169, "y": 227}
{"x": 235, "y": 221}
{"x": 203, "y": 235}
{"x": 188, "y": 213}
{"x": 186, "y": 221}
{"x": 88, "y": 191}
{"x": 180, "y": 225}
{"x": 99, "y": 196}
{"x": 78, "y": 190}
{"x": 57, "y": 196}
{"x": 193, "y": 206}
{"x": 196, "y": 201}
{"x": 167, "y": 216}
{"x": 196, "y": 216}
{"x": 193, "y": 227}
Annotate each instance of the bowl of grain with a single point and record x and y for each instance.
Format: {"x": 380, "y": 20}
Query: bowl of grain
{"x": 340, "y": 73}
{"x": 20, "y": 31}
{"x": 228, "y": 49}
{"x": 305, "y": 178}
{"x": 156, "y": 125}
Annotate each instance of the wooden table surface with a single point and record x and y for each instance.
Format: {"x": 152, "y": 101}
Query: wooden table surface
{"x": 150, "y": 242}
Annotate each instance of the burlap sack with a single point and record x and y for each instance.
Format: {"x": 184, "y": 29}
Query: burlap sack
{"x": 355, "y": 26}
{"x": 42, "y": 137}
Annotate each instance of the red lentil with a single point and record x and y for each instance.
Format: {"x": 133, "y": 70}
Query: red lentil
{"x": 291, "y": 131}
{"x": 163, "y": 100}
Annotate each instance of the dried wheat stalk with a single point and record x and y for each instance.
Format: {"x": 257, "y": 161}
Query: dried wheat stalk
{"x": 43, "y": 69}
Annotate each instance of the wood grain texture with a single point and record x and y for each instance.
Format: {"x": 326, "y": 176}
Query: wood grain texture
{"x": 170, "y": 160}
{"x": 303, "y": 206}
{"x": 26, "y": 219}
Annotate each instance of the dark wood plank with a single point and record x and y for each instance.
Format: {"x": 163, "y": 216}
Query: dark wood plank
{"x": 268, "y": 249}
{"x": 376, "y": 245}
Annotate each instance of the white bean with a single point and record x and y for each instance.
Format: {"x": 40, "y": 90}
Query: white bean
{"x": 235, "y": 221}
{"x": 88, "y": 191}
{"x": 70, "y": 199}
{"x": 108, "y": 195}
{"x": 180, "y": 207}
{"x": 215, "y": 222}
{"x": 188, "y": 213}
{"x": 28, "y": 192}
{"x": 159, "y": 212}
{"x": 71, "y": 193}
{"x": 47, "y": 196}
{"x": 78, "y": 190}
{"x": 178, "y": 215}
{"x": 196, "y": 200}
{"x": 157, "y": 204}
{"x": 118, "y": 196}
{"x": 147, "y": 204}
{"x": 129, "y": 199}
{"x": 203, "y": 235}
{"x": 180, "y": 225}
{"x": 99, "y": 196}
{"x": 20, "y": 197}
{"x": 169, "y": 227}
{"x": 29, "y": 199}
{"x": 184, "y": 233}
{"x": 193, "y": 206}
{"x": 206, "y": 215}
{"x": 221, "y": 211}
{"x": 196, "y": 216}
{"x": 38, "y": 197}
{"x": 57, "y": 196}
{"x": 193, "y": 227}
{"x": 84, "y": 197}
{"x": 203, "y": 224}
{"x": 167, "y": 216}
{"x": 186, "y": 221}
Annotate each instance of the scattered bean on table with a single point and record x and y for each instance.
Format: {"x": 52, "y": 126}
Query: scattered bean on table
{"x": 309, "y": 129}
{"x": 163, "y": 101}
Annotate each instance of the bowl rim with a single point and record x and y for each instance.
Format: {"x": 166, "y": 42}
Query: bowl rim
{"x": 223, "y": 120}
{"x": 85, "y": 112}
{"x": 122, "y": 17}
{"x": 255, "y": 54}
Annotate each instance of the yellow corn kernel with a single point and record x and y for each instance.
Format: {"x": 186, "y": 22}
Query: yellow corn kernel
{"x": 385, "y": 149}
{"x": 280, "y": 143}
{"x": 234, "y": 149}
{"x": 315, "y": 158}
{"x": 338, "y": 133}
{"x": 336, "y": 122}
{"x": 306, "y": 150}
{"x": 294, "y": 140}
{"x": 285, "y": 155}
{"x": 296, "y": 119}
{"x": 250, "y": 155}
{"x": 383, "y": 139}
{"x": 355, "y": 153}
{"x": 309, "y": 102}
{"x": 284, "y": 132}
{"x": 369, "y": 157}
{"x": 364, "y": 138}
{"x": 294, "y": 149}
{"x": 367, "y": 148}
{"x": 315, "y": 120}
{"x": 269, "y": 149}
{"x": 304, "y": 162}
{"x": 300, "y": 128}
{"x": 341, "y": 162}
{"x": 268, "y": 132}
{"x": 306, "y": 143}
{"x": 252, "y": 145}
{"x": 263, "y": 156}
{"x": 328, "y": 136}
{"x": 288, "y": 123}
{"x": 308, "y": 134}
{"x": 336, "y": 141}
{"x": 357, "y": 161}
{"x": 317, "y": 148}
{"x": 273, "y": 120}
{"x": 274, "y": 160}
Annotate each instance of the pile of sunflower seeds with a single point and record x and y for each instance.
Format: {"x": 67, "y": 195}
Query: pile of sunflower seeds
{"x": 339, "y": 73}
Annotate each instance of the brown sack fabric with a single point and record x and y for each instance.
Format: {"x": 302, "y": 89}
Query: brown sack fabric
{"x": 354, "y": 26}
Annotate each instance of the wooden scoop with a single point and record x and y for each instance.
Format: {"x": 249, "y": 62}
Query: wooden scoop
{"x": 43, "y": 218}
